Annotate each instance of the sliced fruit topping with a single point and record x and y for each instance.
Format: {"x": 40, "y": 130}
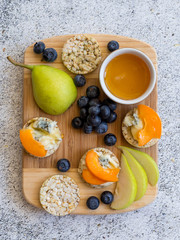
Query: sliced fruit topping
{"x": 147, "y": 162}
{"x": 92, "y": 203}
{"x": 94, "y": 166}
{"x": 107, "y": 197}
{"x": 90, "y": 178}
{"x": 30, "y": 144}
{"x": 126, "y": 187}
{"x": 63, "y": 165}
{"x": 139, "y": 174}
{"x": 152, "y": 125}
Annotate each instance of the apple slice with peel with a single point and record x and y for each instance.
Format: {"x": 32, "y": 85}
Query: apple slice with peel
{"x": 147, "y": 162}
{"x": 139, "y": 174}
{"x": 126, "y": 187}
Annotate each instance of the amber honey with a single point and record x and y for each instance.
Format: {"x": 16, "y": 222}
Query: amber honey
{"x": 127, "y": 76}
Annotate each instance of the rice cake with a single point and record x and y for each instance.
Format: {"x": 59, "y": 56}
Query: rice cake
{"x": 59, "y": 195}
{"x": 81, "y": 54}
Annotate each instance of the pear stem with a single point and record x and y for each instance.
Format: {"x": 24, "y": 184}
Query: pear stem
{"x": 19, "y": 64}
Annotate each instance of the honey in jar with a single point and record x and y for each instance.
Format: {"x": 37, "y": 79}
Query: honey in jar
{"x": 127, "y": 76}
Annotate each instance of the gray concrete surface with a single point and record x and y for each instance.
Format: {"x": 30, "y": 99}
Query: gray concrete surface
{"x": 24, "y": 22}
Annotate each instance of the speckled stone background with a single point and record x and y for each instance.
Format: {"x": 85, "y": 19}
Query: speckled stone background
{"x": 23, "y": 22}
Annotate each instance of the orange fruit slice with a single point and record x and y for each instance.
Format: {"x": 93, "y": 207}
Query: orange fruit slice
{"x": 92, "y": 163}
{"x": 152, "y": 125}
{"x": 30, "y": 144}
{"x": 90, "y": 178}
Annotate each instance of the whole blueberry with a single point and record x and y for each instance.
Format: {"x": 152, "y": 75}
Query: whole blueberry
{"x": 49, "y": 55}
{"x": 92, "y": 203}
{"x": 94, "y": 111}
{"x": 87, "y": 128}
{"x": 112, "y": 117}
{"x": 110, "y": 103}
{"x": 93, "y": 121}
{"x": 92, "y": 92}
{"x": 102, "y": 128}
{"x": 94, "y": 102}
{"x": 39, "y": 47}
{"x": 110, "y": 139}
{"x": 105, "y": 111}
{"x": 79, "y": 80}
{"x": 77, "y": 122}
{"x": 83, "y": 101}
{"x": 63, "y": 165}
{"x": 83, "y": 113}
{"x": 107, "y": 197}
{"x": 113, "y": 45}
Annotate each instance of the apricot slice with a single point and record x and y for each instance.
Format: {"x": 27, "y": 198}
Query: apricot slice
{"x": 30, "y": 144}
{"x": 94, "y": 166}
{"x": 90, "y": 178}
{"x": 152, "y": 125}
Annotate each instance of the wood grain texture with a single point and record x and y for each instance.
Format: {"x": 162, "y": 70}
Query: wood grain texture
{"x": 75, "y": 142}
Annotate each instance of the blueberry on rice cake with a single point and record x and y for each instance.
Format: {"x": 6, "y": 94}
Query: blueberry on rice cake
{"x": 81, "y": 54}
{"x": 40, "y": 137}
{"x": 141, "y": 127}
{"x": 59, "y": 195}
{"x": 107, "y": 160}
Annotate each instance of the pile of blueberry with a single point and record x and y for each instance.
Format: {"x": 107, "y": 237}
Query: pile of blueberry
{"x": 93, "y": 202}
{"x": 49, "y": 54}
{"x": 94, "y": 114}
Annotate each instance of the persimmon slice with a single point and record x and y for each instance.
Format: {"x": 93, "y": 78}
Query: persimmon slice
{"x": 92, "y": 163}
{"x": 30, "y": 144}
{"x": 90, "y": 178}
{"x": 152, "y": 125}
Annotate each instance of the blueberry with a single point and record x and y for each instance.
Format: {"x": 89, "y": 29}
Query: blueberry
{"x": 83, "y": 101}
{"x": 110, "y": 103}
{"x": 63, "y": 165}
{"x": 105, "y": 112}
{"x": 92, "y": 203}
{"x": 113, "y": 45}
{"x": 102, "y": 128}
{"x": 94, "y": 102}
{"x": 87, "y": 128}
{"x": 79, "y": 80}
{"x": 49, "y": 55}
{"x": 112, "y": 117}
{"x": 39, "y": 47}
{"x": 92, "y": 92}
{"x": 107, "y": 197}
{"x": 110, "y": 139}
{"x": 83, "y": 113}
{"x": 93, "y": 121}
{"x": 77, "y": 122}
{"x": 94, "y": 111}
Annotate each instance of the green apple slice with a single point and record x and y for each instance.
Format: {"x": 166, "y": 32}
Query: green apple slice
{"x": 126, "y": 187}
{"x": 147, "y": 162}
{"x": 139, "y": 174}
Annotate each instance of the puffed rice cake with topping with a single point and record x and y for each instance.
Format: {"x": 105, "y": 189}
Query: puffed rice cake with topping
{"x": 107, "y": 159}
{"x": 81, "y": 54}
{"x": 59, "y": 195}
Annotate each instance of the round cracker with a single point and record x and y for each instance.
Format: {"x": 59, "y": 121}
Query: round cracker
{"x": 81, "y": 54}
{"x": 59, "y": 195}
{"x": 126, "y": 131}
{"x": 82, "y": 165}
{"x": 56, "y": 146}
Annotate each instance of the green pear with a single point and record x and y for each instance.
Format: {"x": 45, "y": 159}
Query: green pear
{"x": 126, "y": 187}
{"x": 54, "y": 90}
{"x": 147, "y": 162}
{"x": 139, "y": 174}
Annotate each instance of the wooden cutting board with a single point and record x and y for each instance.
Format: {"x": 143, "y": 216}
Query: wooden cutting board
{"x": 75, "y": 142}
